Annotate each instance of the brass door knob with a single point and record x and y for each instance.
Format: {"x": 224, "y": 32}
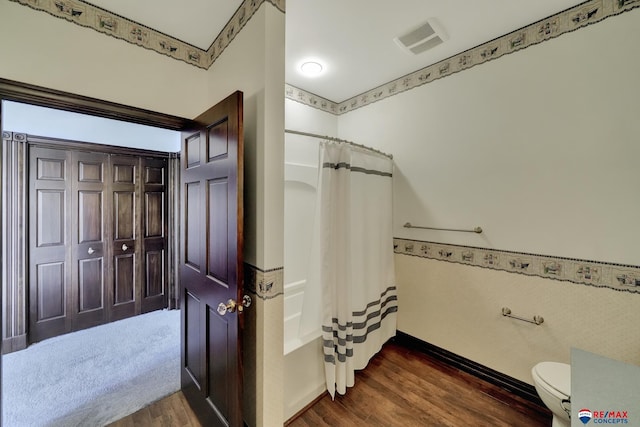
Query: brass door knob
{"x": 232, "y": 306}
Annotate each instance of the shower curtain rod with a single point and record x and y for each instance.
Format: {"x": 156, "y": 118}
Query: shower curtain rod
{"x": 331, "y": 138}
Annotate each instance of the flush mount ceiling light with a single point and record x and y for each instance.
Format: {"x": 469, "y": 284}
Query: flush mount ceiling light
{"x": 311, "y": 68}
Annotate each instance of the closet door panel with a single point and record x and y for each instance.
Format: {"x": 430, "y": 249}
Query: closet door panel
{"x": 50, "y": 291}
{"x": 49, "y": 278}
{"x": 124, "y": 278}
{"x": 154, "y": 273}
{"x": 125, "y": 289}
{"x": 89, "y": 293}
{"x": 124, "y": 215}
{"x": 90, "y": 285}
{"x": 90, "y": 228}
{"x": 154, "y": 234}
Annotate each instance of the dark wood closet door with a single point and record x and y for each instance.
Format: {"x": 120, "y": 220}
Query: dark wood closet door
{"x": 89, "y": 250}
{"x": 50, "y": 299}
{"x": 124, "y": 297}
{"x": 154, "y": 240}
{"x": 97, "y": 237}
{"x": 211, "y": 264}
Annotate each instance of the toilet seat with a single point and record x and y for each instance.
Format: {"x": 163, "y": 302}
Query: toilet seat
{"x": 556, "y": 377}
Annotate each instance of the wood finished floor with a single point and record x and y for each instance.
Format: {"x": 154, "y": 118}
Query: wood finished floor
{"x": 172, "y": 411}
{"x": 400, "y": 387}
{"x": 403, "y": 387}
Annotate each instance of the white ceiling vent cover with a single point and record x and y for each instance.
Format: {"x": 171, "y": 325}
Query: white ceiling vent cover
{"x": 422, "y": 38}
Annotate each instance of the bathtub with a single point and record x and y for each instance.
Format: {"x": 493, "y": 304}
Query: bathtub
{"x": 293, "y": 303}
{"x": 304, "y": 378}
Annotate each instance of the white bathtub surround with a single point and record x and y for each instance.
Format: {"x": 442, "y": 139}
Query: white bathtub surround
{"x": 300, "y": 201}
{"x": 295, "y": 336}
{"x": 355, "y": 267}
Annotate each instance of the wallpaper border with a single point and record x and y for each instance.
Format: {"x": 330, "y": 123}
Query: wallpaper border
{"x": 308, "y": 98}
{"x": 265, "y": 284}
{"x": 572, "y": 19}
{"x": 85, "y": 14}
{"x": 619, "y": 277}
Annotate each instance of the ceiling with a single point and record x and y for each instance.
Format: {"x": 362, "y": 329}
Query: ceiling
{"x": 353, "y": 39}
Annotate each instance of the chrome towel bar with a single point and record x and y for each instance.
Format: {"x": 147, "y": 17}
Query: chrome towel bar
{"x": 475, "y": 230}
{"x": 537, "y": 320}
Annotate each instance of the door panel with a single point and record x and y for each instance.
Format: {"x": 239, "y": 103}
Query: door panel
{"x": 192, "y": 223}
{"x": 124, "y": 298}
{"x": 89, "y": 239}
{"x": 90, "y": 216}
{"x": 217, "y": 209}
{"x": 218, "y": 360}
{"x": 50, "y": 290}
{"x": 211, "y": 263}
{"x": 192, "y": 340}
{"x": 154, "y": 273}
{"x": 154, "y": 214}
{"x": 218, "y": 140}
{"x": 124, "y": 214}
{"x": 154, "y": 292}
{"x": 124, "y": 279}
{"x": 49, "y": 243}
{"x": 51, "y": 214}
{"x": 90, "y": 285}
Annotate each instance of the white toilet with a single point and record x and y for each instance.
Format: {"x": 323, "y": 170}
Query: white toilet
{"x": 553, "y": 384}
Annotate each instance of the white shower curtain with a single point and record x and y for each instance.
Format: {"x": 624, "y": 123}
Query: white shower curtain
{"x": 355, "y": 263}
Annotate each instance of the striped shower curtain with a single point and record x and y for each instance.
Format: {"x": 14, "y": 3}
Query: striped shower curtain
{"x": 355, "y": 270}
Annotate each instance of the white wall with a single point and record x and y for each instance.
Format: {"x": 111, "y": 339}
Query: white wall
{"x": 40, "y": 49}
{"x": 40, "y": 121}
{"x": 302, "y": 118}
{"x": 540, "y": 149}
{"x": 458, "y": 308}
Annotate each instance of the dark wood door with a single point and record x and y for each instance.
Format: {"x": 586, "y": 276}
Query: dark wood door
{"x": 211, "y": 263}
{"x": 67, "y": 246}
{"x": 154, "y": 239}
{"x": 89, "y": 244}
{"x": 97, "y": 238}
{"x": 49, "y": 243}
{"x": 123, "y": 298}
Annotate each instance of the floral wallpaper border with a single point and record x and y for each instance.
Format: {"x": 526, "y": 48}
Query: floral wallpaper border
{"x": 265, "y": 284}
{"x": 619, "y": 277}
{"x": 572, "y": 19}
{"x": 87, "y": 15}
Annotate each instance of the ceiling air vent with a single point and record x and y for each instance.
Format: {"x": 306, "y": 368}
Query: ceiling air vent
{"x": 422, "y": 38}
